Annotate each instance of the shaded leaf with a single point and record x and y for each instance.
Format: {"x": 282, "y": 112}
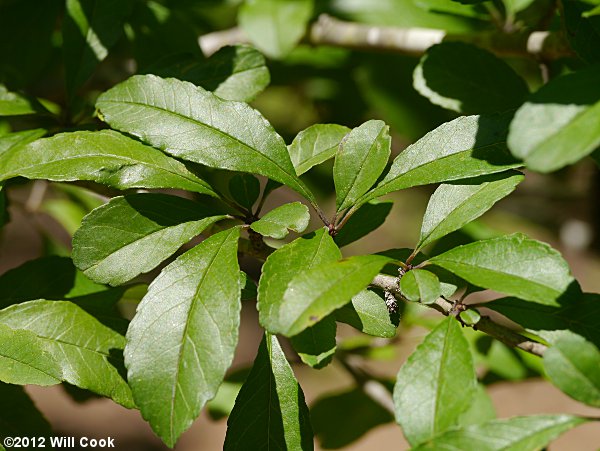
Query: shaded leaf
{"x": 366, "y": 219}
{"x": 105, "y": 157}
{"x": 19, "y": 416}
{"x": 15, "y": 104}
{"x": 4, "y": 216}
{"x": 436, "y": 384}
{"x": 183, "y": 336}
{"x": 275, "y": 26}
{"x": 133, "y": 234}
{"x": 315, "y": 144}
{"x": 245, "y": 189}
{"x": 359, "y": 161}
{"x": 560, "y": 123}
{"x": 272, "y": 402}
{"x": 582, "y": 28}
{"x": 293, "y": 216}
{"x": 419, "y": 285}
{"x": 88, "y": 352}
{"x": 196, "y": 125}
{"x": 316, "y": 345}
{"x": 453, "y": 205}
{"x": 493, "y": 86}
{"x": 511, "y": 264}
{"x": 368, "y": 313}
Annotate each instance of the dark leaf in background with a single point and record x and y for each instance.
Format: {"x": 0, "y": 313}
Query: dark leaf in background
{"x": 582, "y": 30}
{"x": 244, "y": 189}
{"x": 316, "y": 345}
{"x": 19, "y": 415}
{"x": 366, "y": 219}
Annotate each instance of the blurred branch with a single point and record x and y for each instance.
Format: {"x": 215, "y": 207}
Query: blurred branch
{"x": 485, "y": 324}
{"x": 327, "y": 30}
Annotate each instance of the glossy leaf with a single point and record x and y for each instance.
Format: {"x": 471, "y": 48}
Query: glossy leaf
{"x": 316, "y": 345}
{"x": 275, "y": 26}
{"x": 511, "y": 264}
{"x": 315, "y": 145}
{"x": 571, "y": 363}
{"x": 90, "y": 29}
{"x": 24, "y": 358}
{"x": 88, "y": 352}
{"x": 283, "y": 265}
{"x": 196, "y": 125}
{"x": 316, "y": 292}
{"x": 436, "y": 384}
{"x": 560, "y": 123}
{"x": 183, "y": 336}
{"x": 468, "y": 146}
{"x": 419, "y": 285}
{"x": 368, "y": 313}
{"x": 293, "y": 216}
{"x": 364, "y": 221}
{"x": 20, "y": 417}
{"x": 245, "y": 189}
{"x": 15, "y": 104}
{"x": 359, "y": 161}
{"x": 493, "y": 86}
{"x": 11, "y": 140}
{"x": 453, "y": 205}
{"x": 515, "y": 434}
{"x": 105, "y": 157}
{"x": 271, "y": 402}
{"x": 133, "y": 234}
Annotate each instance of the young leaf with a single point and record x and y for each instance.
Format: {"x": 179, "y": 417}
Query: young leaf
{"x": 511, "y": 264}
{"x": 293, "y": 216}
{"x": 131, "y": 235}
{"x": 10, "y": 140}
{"x": 493, "y": 85}
{"x": 368, "y": 313}
{"x": 359, "y": 161}
{"x": 419, "y": 285}
{"x": 245, "y": 189}
{"x": 87, "y": 351}
{"x": 90, "y": 29}
{"x": 19, "y": 416}
{"x": 316, "y": 345}
{"x": 196, "y": 125}
{"x": 366, "y": 219}
{"x": 275, "y": 26}
{"x": 572, "y": 365}
{"x": 105, "y": 157}
{"x": 318, "y": 291}
{"x": 468, "y": 146}
{"x": 515, "y": 434}
{"x": 315, "y": 144}
{"x": 453, "y": 205}
{"x": 436, "y": 384}
{"x": 271, "y": 402}
{"x": 283, "y": 265}
{"x": 24, "y": 359}
{"x": 14, "y": 104}
{"x": 560, "y": 123}
{"x": 183, "y": 336}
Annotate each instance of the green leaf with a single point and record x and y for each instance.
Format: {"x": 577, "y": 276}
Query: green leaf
{"x": 11, "y": 140}
{"x": 316, "y": 345}
{"x": 192, "y": 314}
{"x": 14, "y": 104}
{"x": 245, "y": 189}
{"x": 196, "y": 125}
{"x": 368, "y": 313}
{"x": 90, "y": 29}
{"x": 419, "y": 285}
{"x": 436, "y": 384}
{"x": 511, "y": 264}
{"x": 88, "y": 352}
{"x": 284, "y": 264}
{"x": 468, "y": 146}
{"x": 105, "y": 157}
{"x": 342, "y": 418}
{"x": 493, "y": 86}
{"x": 293, "y": 216}
{"x": 275, "y": 26}
{"x": 132, "y": 234}
{"x": 270, "y": 411}
{"x": 25, "y": 360}
{"x": 365, "y": 220}
{"x": 19, "y": 416}
{"x": 359, "y": 161}
{"x": 318, "y": 291}
{"x": 480, "y": 410}
{"x": 560, "y": 123}
{"x": 315, "y": 145}
{"x": 514, "y": 434}
{"x": 453, "y": 205}
{"x": 572, "y": 365}
{"x": 582, "y": 29}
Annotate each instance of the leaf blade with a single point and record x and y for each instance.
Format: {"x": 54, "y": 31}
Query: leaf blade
{"x": 293, "y": 216}
{"x": 315, "y": 145}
